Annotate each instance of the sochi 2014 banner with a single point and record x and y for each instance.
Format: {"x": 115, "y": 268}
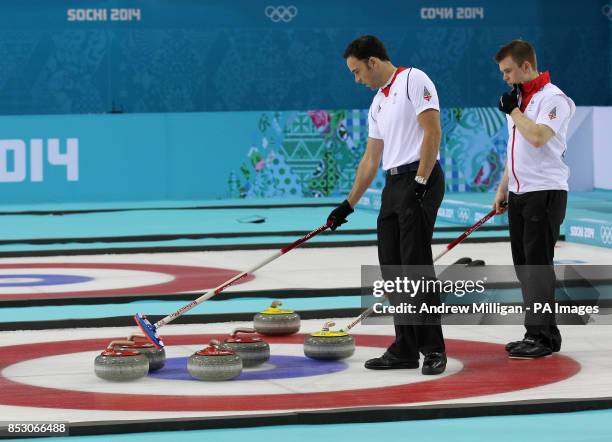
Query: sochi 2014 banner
{"x": 101, "y": 56}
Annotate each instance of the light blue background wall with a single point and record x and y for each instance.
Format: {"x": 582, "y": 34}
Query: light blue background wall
{"x": 131, "y": 157}
{"x": 206, "y": 88}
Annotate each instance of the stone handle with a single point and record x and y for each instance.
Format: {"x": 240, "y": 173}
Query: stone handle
{"x": 119, "y": 343}
{"x": 243, "y": 330}
{"x": 328, "y": 325}
{"x": 138, "y": 339}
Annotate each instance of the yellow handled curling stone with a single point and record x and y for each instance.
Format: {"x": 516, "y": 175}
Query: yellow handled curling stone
{"x": 328, "y": 344}
{"x": 276, "y": 321}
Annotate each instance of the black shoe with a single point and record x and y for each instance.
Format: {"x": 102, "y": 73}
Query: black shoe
{"x": 512, "y": 345}
{"x": 530, "y": 349}
{"x": 434, "y": 363}
{"x": 390, "y": 362}
{"x": 556, "y": 345}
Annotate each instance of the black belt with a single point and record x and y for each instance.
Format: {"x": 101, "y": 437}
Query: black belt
{"x": 404, "y": 168}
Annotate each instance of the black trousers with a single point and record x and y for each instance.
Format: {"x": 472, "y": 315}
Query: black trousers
{"x": 404, "y": 232}
{"x": 534, "y": 220}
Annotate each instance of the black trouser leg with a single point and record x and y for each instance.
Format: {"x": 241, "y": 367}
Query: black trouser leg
{"x": 534, "y": 220}
{"x": 404, "y": 238}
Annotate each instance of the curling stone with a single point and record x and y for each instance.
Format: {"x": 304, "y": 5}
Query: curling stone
{"x": 252, "y": 350}
{"x": 329, "y": 344}
{"x": 463, "y": 261}
{"x": 276, "y": 321}
{"x": 214, "y": 363}
{"x": 120, "y": 365}
{"x": 157, "y": 356}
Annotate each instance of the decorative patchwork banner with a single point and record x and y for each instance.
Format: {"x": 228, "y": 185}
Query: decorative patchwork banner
{"x": 212, "y": 155}
{"x": 317, "y": 152}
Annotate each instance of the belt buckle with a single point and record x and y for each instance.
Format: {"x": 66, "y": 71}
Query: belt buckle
{"x": 393, "y": 171}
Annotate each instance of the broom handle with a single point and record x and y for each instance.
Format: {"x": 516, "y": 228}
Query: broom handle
{"x": 448, "y": 248}
{"x": 209, "y": 294}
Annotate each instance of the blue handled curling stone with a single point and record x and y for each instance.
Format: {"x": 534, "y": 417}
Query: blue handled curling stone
{"x": 214, "y": 363}
{"x": 276, "y": 321}
{"x": 328, "y": 344}
{"x": 118, "y": 365}
{"x": 157, "y": 356}
{"x": 252, "y": 350}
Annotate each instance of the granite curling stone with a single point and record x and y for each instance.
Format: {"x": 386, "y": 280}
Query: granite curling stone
{"x": 157, "y": 356}
{"x": 276, "y": 321}
{"x": 252, "y": 350}
{"x": 329, "y": 344}
{"x": 214, "y": 363}
{"x": 120, "y": 365}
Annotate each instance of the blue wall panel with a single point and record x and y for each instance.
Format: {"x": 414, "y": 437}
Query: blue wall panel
{"x": 180, "y": 156}
{"x": 124, "y": 157}
{"x": 219, "y": 55}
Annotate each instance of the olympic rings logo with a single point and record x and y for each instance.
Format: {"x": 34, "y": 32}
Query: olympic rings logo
{"x": 281, "y": 13}
{"x": 463, "y": 214}
{"x": 605, "y": 232}
{"x": 607, "y": 11}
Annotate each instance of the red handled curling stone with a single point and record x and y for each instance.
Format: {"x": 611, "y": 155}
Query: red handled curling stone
{"x": 252, "y": 350}
{"x": 214, "y": 363}
{"x": 276, "y": 321}
{"x": 329, "y": 344}
{"x": 157, "y": 356}
{"x": 120, "y": 365}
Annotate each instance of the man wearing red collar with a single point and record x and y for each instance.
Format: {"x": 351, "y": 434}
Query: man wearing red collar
{"x": 535, "y": 186}
{"x": 404, "y": 132}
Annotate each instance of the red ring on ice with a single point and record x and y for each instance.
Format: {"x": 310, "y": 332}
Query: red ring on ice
{"x": 186, "y": 279}
{"x": 486, "y": 370}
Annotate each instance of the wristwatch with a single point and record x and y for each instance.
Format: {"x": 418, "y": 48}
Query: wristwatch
{"x": 420, "y": 179}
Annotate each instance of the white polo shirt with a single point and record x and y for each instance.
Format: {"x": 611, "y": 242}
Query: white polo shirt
{"x": 393, "y": 115}
{"x": 533, "y": 168}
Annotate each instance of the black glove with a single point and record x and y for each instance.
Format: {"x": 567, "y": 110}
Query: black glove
{"x": 337, "y": 217}
{"x": 419, "y": 191}
{"x": 509, "y": 101}
{"x": 416, "y": 193}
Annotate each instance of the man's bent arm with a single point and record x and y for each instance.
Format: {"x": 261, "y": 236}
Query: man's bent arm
{"x": 537, "y": 134}
{"x": 429, "y": 120}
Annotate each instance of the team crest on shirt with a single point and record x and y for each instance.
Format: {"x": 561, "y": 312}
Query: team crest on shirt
{"x": 553, "y": 113}
{"x": 426, "y": 94}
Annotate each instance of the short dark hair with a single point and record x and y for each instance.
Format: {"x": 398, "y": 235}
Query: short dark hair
{"x": 520, "y": 51}
{"x": 365, "y": 47}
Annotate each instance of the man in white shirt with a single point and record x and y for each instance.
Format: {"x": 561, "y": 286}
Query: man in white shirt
{"x": 404, "y": 131}
{"x": 535, "y": 186}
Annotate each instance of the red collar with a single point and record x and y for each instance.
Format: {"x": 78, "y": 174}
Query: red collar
{"x": 529, "y": 88}
{"x": 385, "y": 90}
